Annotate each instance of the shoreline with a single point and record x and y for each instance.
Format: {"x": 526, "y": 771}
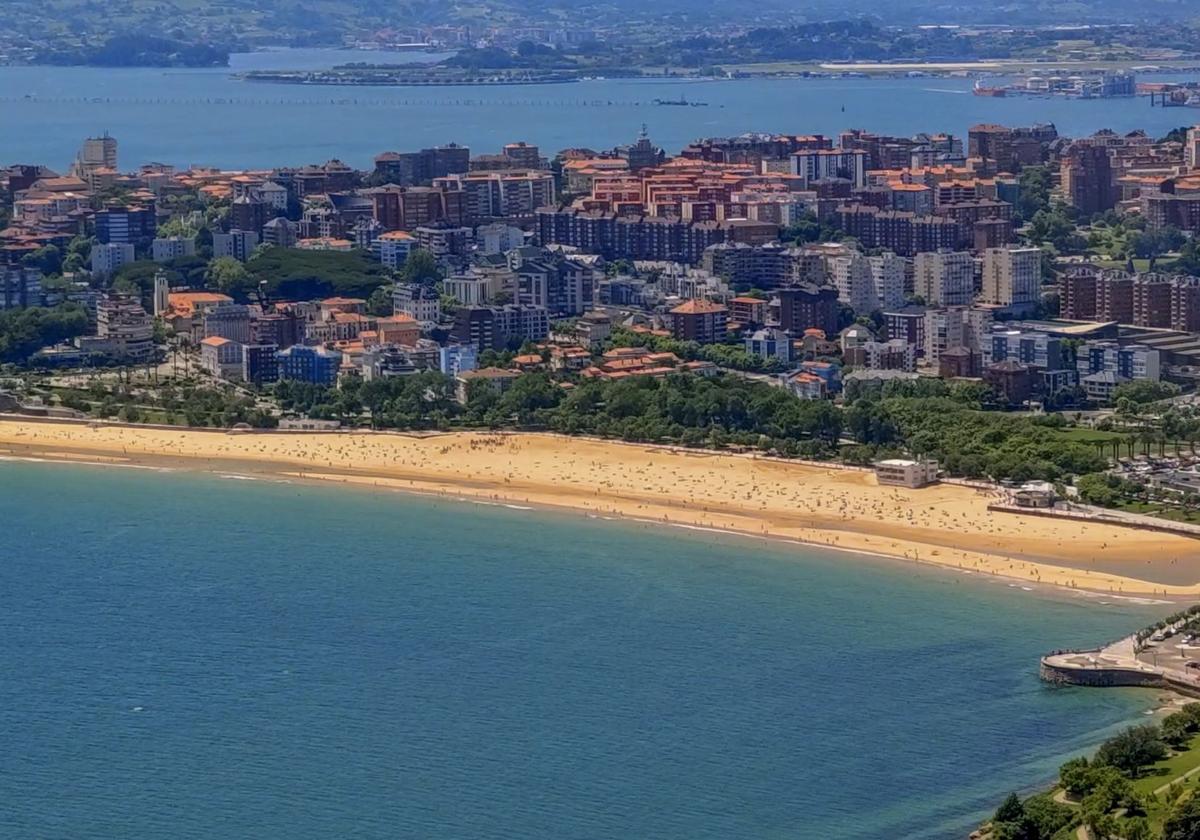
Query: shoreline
{"x": 945, "y": 525}
{"x": 239, "y": 472}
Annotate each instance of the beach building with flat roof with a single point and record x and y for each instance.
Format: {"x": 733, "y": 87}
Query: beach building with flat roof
{"x": 906, "y": 473}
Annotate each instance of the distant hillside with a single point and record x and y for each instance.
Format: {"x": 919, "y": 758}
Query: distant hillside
{"x": 327, "y": 20}
{"x": 200, "y": 33}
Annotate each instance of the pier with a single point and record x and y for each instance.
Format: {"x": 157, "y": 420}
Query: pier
{"x": 1159, "y": 657}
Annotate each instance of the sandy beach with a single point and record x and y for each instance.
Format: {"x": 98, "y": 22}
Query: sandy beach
{"x": 947, "y": 524}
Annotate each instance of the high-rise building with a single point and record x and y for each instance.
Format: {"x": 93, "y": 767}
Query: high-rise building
{"x": 1078, "y": 293}
{"x": 1012, "y": 276}
{"x": 888, "y": 272}
{"x": 20, "y": 286}
{"x": 822, "y": 164}
{"x": 133, "y": 223}
{"x": 805, "y": 307}
{"x": 1191, "y": 148}
{"x": 505, "y": 194}
{"x": 698, "y": 320}
{"x": 960, "y": 326}
{"x": 260, "y": 364}
{"x": 1087, "y": 177}
{"x": 95, "y": 153}
{"x": 852, "y": 276}
{"x": 944, "y": 278}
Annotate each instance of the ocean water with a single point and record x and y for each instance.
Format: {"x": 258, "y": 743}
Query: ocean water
{"x": 186, "y": 655}
{"x": 205, "y": 117}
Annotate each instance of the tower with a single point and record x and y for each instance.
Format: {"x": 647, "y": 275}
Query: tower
{"x": 162, "y": 293}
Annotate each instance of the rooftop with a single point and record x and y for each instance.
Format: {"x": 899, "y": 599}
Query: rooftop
{"x": 698, "y": 306}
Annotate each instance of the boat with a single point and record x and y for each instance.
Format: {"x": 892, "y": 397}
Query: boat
{"x": 981, "y": 89}
{"x": 681, "y": 102}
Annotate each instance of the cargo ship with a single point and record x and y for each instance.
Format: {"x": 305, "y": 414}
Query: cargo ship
{"x": 981, "y": 89}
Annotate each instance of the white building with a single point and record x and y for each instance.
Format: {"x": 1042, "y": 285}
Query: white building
{"x": 394, "y": 247}
{"x": 476, "y": 288}
{"x": 895, "y": 354}
{"x": 239, "y": 244}
{"x": 1191, "y": 149}
{"x": 771, "y": 344}
{"x": 888, "y": 272}
{"x": 172, "y": 248}
{"x": 855, "y": 282}
{"x": 906, "y": 473}
{"x": 820, "y": 164}
{"x": 221, "y": 357}
{"x": 123, "y": 330}
{"x": 944, "y": 278}
{"x": 107, "y": 258}
{"x": 1131, "y": 362}
{"x": 273, "y": 195}
{"x": 498, "y": 238}
{"x": 869, "y": 283}
{"x": 1012, "y": 276}
{"x": 421, "y": 303}
{"x": 958, "y": 326}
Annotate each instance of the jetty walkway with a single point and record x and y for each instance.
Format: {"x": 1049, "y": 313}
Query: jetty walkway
{"x": 1171, "y": 663}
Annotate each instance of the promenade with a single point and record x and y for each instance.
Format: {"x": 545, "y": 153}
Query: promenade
{"x": 1155, "y": 664}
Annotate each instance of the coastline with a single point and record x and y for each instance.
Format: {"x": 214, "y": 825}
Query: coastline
{"x": 945, "y": 525}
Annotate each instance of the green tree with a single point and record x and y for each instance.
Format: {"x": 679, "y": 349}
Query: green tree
{"x": 1183, "y": 821}
{"x": 1035, "y": 183}
{"x": 48, "y": 259}
{"x": 1076, "y": 777}
{"x": 227, "y": 275}
{"x": 379, "y": 303}
{"x": 1133, "y": 749}
{"x": 1010, "y": 810}
{"x": 421, "y": 266}
{"x": 25, "y": 331}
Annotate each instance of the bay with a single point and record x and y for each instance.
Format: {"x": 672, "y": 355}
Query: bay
{"x": 187, "y": 655}
{"x": 205, "y": 117}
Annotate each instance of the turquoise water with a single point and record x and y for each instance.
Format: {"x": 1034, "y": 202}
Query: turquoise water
{"x": 190, "y": 656}
{"x": 205, "y": 117}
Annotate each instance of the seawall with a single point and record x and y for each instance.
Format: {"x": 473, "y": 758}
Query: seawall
{"x": 1108, "y": 676}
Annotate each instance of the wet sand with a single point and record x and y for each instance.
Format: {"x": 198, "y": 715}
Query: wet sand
{"x": 947, "y": 524}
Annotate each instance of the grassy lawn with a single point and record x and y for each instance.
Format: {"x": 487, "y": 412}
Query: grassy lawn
{"x": 1138, "y": 264}
{"x": 1164, "y": 773}
{"x": 1170, "y": 769}
{"x": 1083, "y": 435}
{"x": 1161, "y": 511}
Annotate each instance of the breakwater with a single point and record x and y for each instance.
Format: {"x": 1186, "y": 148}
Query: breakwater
{"x": 1158, "y": 656}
